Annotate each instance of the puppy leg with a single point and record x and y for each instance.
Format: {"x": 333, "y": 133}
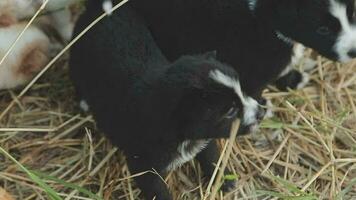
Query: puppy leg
{"x": 208, "y": 159}
{"x": 151, "y": 184}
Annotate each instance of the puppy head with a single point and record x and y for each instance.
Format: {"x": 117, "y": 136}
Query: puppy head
{"x": 206, "y": 97}
{"x": 328, "y": 26}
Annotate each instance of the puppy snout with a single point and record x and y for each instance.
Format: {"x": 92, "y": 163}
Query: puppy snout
{"x": 250, "y": 122}
{"x": 352, "y": 53}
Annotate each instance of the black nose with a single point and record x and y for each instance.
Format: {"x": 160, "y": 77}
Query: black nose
{"x": 352, "y": 53}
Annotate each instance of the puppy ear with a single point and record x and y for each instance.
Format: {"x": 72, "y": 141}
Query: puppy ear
{"x": 210, "y": 55}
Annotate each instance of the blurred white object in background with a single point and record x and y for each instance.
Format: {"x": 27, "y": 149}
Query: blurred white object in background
{"x": 29, "y": 55}
{"x": 57, "y": 12}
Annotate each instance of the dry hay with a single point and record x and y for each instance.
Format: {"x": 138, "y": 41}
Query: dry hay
{"x": 5, "y": 195}
{"x": 315, "y": 151}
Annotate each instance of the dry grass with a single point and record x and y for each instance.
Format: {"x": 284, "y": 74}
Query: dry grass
{"x": 313, "y": 158}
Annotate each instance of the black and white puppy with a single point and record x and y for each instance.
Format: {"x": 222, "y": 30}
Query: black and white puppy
{"x": 254, "y": 36}
{"x": 160, "y": 114}
{"x": 328, "y": 26}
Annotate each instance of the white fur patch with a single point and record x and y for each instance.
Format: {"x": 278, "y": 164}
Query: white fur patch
{"x": 309, "y": 64}
{"x": 186, "y": 151}
{"x": 298, "y": 52}
{"x": 269, "y": 110}
{"x": 84, "y": 105}
{"x": 250, "y": 105}
{"x": 252, "y": 4}
{"x": 305, "y": 80}
{"x": 107, "y": 6}
{"x": 62, "y": 21}
{"x": 347, "y": 38}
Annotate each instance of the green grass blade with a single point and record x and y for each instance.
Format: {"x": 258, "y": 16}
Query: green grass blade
{"x": 286, "y": 197}
{"x": 68, "y": 185}
{"x": 49, "y": 191}
{"x": 287, "y": 185}
{"x": 341, "y": 195}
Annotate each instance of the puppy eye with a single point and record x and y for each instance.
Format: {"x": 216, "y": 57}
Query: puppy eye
{"x": 232, "y": 112}
{"x": 323, "y": 30}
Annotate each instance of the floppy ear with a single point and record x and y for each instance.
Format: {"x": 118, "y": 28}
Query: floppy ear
{"x": 210, "y": 55}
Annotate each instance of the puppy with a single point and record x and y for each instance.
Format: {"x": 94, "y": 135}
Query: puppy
{"x": 29, "y": 55}
{"x": 161, "y": 114}
{"x": 255, "y": 37}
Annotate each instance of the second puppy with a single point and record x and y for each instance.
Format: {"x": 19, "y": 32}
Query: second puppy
{"x": 160, "y": 114}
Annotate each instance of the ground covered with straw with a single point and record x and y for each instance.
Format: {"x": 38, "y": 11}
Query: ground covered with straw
{"x": 309, "y": 151}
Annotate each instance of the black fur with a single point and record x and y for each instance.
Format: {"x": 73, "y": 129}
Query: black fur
{"x": 228, "y": 26}
{"x": 244, "y": 38}
{"x": 143, "y": 103}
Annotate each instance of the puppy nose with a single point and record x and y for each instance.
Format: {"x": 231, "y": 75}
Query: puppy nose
{"x": 352, "y": 53}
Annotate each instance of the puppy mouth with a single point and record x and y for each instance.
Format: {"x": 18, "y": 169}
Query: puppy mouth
{"x": 252, "y": 125}
{"x": 248, "y": 129}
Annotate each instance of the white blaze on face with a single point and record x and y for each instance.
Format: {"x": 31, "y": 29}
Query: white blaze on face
{"x": 346, "y": 42}
{"x": 249, "y": 104}
{"x": 186, "y": 151}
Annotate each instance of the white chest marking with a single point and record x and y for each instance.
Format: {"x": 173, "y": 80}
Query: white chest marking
{"x": 186, "y": 151}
